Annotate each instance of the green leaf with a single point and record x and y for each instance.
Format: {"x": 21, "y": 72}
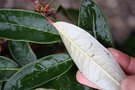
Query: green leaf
{"x": 92, "y": 20}
{"x": 21, "y": 52}
{"x": 7, "y": 68}
{"x": 66, "y": 82}
{"x": 39, "y": 72}
{"x": 22, "y": 25}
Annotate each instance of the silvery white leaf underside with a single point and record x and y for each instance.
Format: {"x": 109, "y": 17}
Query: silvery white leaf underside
{"x": 94, "y": 61}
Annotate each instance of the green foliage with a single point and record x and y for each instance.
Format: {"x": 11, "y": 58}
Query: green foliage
{"x": 55, "y": 72}
{"x": 21, "y": 52}
{"x": 39, "y": 72}
{"x": 22, "y": 25}
{"x": 92, "y": 20}
{"x": 7, "y": 68}
{"x": 66, "y": 82}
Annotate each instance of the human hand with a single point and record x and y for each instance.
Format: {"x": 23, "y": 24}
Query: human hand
{"x": 126, "y": 62}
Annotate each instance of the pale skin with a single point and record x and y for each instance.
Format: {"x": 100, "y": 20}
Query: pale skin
{"x": 126, "y": 62}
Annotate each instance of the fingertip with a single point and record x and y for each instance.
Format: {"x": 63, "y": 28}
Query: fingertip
{"x": 81, "y": 79}
{"x": 78, "y": 76}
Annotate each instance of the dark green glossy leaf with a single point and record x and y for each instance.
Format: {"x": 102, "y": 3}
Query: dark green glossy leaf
{"x": 39, "y": 72}
{"x": 92, "y": 20}
{"x": 21, "y": 52}
{"x": 7, "y": 68}
{"x": 66, "y": 82}
{"x": 28, "y": 26}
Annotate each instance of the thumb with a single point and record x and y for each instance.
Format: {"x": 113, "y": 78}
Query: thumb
{"x": 128, "y": 83}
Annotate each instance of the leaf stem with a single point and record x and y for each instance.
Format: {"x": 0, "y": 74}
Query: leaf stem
{"x": 49, "y": 20}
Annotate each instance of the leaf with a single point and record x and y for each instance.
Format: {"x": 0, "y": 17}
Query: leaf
{"x": 39, "y": 72}
{"x": 22, "y": 25}
{"x": 66, "y": 82}
{"x": 7, "y": 68}
{"x": 92, "y": 20}
{"x": 94, "y": 61}
{"x": 21, "y": 52}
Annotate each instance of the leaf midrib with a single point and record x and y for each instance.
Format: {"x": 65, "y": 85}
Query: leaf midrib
{"x": 35, "y": 29}
{"x": 47, "y": 69}
{"x": 9, "y": 69}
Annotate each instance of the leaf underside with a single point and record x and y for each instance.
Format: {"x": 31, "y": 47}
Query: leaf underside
{"x": 94, "y": 61}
